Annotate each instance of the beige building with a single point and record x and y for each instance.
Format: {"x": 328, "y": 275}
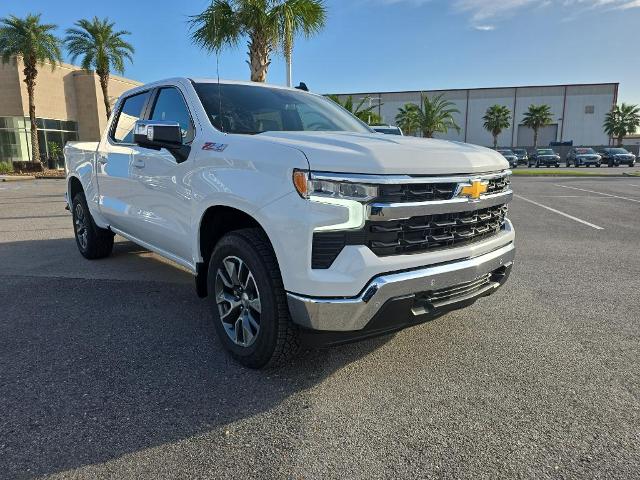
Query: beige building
{"x": 69, "y": 107}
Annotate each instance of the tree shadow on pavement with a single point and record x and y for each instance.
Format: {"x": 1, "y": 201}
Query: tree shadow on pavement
{"x": 91, "y": 369}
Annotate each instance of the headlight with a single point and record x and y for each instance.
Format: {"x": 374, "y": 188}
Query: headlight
{"x": 308, "y": 186}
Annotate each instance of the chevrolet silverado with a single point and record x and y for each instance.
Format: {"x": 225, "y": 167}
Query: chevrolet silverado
{"x": 298, "y": 221}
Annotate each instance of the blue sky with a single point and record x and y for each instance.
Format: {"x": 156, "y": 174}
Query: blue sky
{"x": 387, "y": 45}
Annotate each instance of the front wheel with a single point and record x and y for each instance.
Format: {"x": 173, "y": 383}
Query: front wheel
{"x": 248, "y": 300}
{"x": 92, "y": 241}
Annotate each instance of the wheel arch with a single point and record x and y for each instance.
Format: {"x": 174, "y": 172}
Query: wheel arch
{"x": 215, "y": 222}
{"x": 74, "y": 186}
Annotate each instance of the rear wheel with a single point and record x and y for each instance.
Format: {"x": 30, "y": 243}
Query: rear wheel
{"x": 92, "y": 241}
{"x": 248, "y": 300}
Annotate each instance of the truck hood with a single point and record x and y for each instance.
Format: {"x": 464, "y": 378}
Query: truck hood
{"x": 376, "y": 153}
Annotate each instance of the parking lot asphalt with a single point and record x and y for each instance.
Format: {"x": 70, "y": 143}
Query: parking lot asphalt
{"x": 111, "y": 368}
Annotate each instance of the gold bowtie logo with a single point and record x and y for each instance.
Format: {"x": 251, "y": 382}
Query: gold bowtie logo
{"x": 474, "y": 189}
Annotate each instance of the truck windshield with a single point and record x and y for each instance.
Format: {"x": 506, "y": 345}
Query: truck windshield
{"x": 249, "y": 109}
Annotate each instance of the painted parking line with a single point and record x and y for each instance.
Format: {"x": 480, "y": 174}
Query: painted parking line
{"x": 600, "y": 193}
{"x": 584, "y": 222}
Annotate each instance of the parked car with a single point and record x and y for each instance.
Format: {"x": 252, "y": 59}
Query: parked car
{"x": 511, "y": 157}
{"x": 581, "y": 156}
{"x": 544, "y": 157}
{"x": 618, "y": 156}
{"x": 522, "y": 154}
{"x": 299, "y": 222}
{"x": 387, "y": 129}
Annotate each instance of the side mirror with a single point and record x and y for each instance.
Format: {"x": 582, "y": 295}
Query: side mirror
{"x": 157, "y": 134}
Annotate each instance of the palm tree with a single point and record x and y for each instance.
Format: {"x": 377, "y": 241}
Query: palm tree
{"x": 364, "y": 113}
{"x": 34, "y": 42}
{"x": 496, "y": 119}
{"x": 295, "y": 17}
{"x": 621, "y": 121}
{"x": 408, "y": 118}
{"x": 436, "y": 116}
{"x": 537, "y": 117}
{"x": 101, "y": 48}
{"x": 267, "y": 24}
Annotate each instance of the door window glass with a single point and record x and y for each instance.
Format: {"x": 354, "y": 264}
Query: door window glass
{"x": 130, "y": 112}
{"x": 170, "y": 106}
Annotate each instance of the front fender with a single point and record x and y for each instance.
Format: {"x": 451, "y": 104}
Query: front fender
{"x": 247, "y": 176}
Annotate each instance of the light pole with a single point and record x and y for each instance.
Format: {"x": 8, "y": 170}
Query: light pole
{"x": 378, "y": 99}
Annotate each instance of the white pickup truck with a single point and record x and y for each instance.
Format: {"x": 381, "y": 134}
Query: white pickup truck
{"x": 299, "y": 223}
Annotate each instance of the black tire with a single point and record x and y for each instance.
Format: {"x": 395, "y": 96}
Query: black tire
{"x": 277, "y": 339}
{"x": 92, "y": 241}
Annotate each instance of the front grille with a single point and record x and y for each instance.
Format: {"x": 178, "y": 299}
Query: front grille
{"x": 413, "y": 235}
{"x": 428, "y": 192}
{"x": 419, "y": 234}
{"x": 417, "y": 192}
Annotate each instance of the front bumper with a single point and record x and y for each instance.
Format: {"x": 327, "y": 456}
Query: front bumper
{"x": 421, "y": 293}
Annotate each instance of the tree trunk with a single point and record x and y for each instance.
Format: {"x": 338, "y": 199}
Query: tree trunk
{"x": 259, "y": 51}
{"x": 620, "y": 138}
{"x": 535, "y": 138}
{"x": 104, "y": 84}
{"x": 288, "y": 53}
{"x": 289, "y": 71}
{"x": 30, "y": 73}
{"x": 495, "y": 141}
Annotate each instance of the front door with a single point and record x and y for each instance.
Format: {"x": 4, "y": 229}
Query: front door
{"x": 113, "y": 167}
{"x": 160, "y": 198}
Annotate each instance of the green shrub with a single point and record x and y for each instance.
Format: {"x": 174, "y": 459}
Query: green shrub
{"x": 6, "y": 167}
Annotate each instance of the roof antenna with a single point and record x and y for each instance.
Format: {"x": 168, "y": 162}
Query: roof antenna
{"x": 303, "y": 86}
{"x": 215, "y": 29}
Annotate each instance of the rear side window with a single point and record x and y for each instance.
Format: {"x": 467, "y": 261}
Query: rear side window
{"x": 130, "y": 112}
{"x": 170, "y": 106}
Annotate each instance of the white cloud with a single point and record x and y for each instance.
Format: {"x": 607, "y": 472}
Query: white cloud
{"x": 484, "y": 28}
{"x": 483, "y": 13}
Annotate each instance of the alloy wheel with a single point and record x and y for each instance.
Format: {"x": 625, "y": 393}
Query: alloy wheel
{"x": 80, "y": 225}
{"x": 238, "y": 301}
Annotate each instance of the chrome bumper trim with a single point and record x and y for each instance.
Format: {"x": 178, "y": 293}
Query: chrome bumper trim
{"x": 350, "y": 314}
{"x": 400, "y": 211}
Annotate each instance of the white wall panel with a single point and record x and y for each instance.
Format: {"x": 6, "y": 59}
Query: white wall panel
{"x": 577, "y": 124}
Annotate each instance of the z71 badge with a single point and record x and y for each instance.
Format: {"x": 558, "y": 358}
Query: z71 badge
{"x": 216, "y": 147}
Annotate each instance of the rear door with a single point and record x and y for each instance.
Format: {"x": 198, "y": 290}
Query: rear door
{"x": 160, "y": 193}
{"x": 114, "y": 158}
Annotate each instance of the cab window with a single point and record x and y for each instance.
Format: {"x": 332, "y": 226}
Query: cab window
{"x": 170, "y": 106}
{"x": 131, "y": 111}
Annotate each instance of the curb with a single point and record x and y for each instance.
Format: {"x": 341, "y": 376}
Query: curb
{"x": 16, "y": 178}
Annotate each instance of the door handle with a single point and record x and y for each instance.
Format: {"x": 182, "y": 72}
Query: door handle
{"x": 138, "y": 163}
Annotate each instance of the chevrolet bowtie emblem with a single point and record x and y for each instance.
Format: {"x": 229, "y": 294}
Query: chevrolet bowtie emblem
{"x": 473, "y": 189}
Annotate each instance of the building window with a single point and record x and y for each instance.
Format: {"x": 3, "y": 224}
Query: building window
{"x": 589, "y": 109}
{"x": 15, "y": 137}
{"x": 14, "y": 141}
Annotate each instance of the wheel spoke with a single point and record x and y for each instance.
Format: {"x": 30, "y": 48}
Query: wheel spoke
{"x": 249, "y": 282}
{"x": 224, "y": 276}
{"x": 252, "y": 321}
{"x": 247, "y": 330}
{"x": 254, "y": 304}
{"x": 237, "y": 330}
{"x": 232, "y": 270}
